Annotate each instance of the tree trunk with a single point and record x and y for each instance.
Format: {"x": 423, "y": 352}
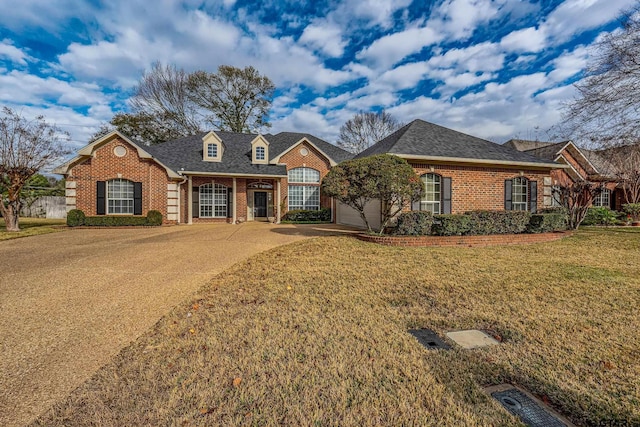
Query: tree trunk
{"x": 11, "y": 214}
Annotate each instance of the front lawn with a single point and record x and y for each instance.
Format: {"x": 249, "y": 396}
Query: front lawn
{"x": 314, "y": 334}
{"x": 31, "y": 227}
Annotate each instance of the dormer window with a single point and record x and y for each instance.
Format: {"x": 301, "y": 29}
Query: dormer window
{"x": 259, "y": 150}
{"x": 212, "y": 149}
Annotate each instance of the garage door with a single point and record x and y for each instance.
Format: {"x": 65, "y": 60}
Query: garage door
{"x": 346, "y": 215}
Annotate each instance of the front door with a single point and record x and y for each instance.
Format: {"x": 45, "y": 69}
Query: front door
{"x": 260, "y": 204}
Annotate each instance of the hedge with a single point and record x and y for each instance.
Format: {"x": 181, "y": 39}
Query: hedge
{"x": 414, "y": 223}
{"x": 322, "y": 215}
{"x": 547, "y": 222}
{"x": 76, "y": 217}
{"x": 498, "y": 222}
{"x": 450, "y": 225}
{"x": 600, "y": 216}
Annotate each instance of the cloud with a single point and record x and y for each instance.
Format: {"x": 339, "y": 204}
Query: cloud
{"x": 15, "y": 55}
{"x": 325, "y": 37}
{"x": 526, "y": 40}
{"x": 475, "y": 58}
{"x": 458, "y": 19}
{"x": 390, "y": 49}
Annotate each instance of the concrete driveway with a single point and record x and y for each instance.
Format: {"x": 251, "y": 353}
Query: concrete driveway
{"x": 70, "y": 301}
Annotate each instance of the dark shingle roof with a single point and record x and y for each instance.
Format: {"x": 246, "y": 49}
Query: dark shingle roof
{"x": 525, "y": 144}
{"x": 547, "y": 152}
{"x": 420, "y": 138}
{"x": 186, "y": 153}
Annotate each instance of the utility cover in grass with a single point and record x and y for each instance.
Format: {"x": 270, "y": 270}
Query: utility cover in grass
{"x": 429, "y": 339}
{"x": 471, "y": 338}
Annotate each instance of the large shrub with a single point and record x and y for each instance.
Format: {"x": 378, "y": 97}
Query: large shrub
{"x": 154, "y": 218}
{"x": 498, "y": 222}
{"x": 75, "y": 218}
{"x": 600, "y": 216}
{"x": 301, "y": 216}
{"x": 114, "y": 221}
{"x": 547, "y": 222}
{"x": 414, "y": 223}
{"x": 632, "y": 209}
{"x": 450, "y": 225}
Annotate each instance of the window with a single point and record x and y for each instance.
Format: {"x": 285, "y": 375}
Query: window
{"x": 120, "y": 196}
{"x": 213, "y": 201}
{"x": 259, "y": 153}
{"x": 603, "y": 199}
{"x": 304, "y": 175}
{"x": 212, "y": 150}
{"x": 305, "y": 197}
{"x": 519, "y": 194}
{"x": 432, "y": 199}
{"x": 555, "y": 196}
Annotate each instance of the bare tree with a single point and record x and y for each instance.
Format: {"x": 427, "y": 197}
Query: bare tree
{"x": 234, "y": 99}
{"x": 576, "y": 198}
{"x": 607, "y": 109}
{"x": 624, "y": 162}
{"x": 26, "y": 146}
{"x": 365, "y": 129}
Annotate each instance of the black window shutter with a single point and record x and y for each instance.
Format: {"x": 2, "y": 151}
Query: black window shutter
{"x": 137, "y": 198}
{"x": 101, "y": 190}
{"x": 446, "y": 195}
{"x": 195, "y": 203}
{"x": 229, "y": 202}
{"x": 507, "y": 194}
{"x": 415, "y": 206}
{"x": 533, "y": 196}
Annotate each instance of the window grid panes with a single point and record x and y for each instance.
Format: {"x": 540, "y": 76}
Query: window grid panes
{"x": 555, "y": 196}
{"x": 603, "y": 199}
{"x": 304, "y": 176}
{"x": 120, "y": 196}
{"x": 213, "y": 201}
{"x": 305, "y": 197}
{"x": 519, "y": 194}
{"x": 431, "y": 201}
{"x": 259, "y": 153}
{"x": 212, "y": 150}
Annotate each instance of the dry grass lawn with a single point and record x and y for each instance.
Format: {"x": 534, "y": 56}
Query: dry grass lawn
{"x": 31, "y": 227}
{"x": 314, "y": 334}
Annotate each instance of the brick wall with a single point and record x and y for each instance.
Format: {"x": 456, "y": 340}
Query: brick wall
{"x": 480, "y": 188}
{"x": 105, "y": 165}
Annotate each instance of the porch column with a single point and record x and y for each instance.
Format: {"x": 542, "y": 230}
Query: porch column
{"x": 190, "y": 201}
{"x": 235, "y": 202}
{"x": 278, "y": 213}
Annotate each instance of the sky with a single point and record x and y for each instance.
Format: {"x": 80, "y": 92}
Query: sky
{"x": 495, "y": 69}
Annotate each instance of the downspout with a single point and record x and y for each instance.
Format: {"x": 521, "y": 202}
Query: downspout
{"x": 184, "y": 179}
{"x": 190, "y": 200}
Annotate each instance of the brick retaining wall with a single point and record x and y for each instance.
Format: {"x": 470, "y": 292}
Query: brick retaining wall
{"x": 470, "y": 241}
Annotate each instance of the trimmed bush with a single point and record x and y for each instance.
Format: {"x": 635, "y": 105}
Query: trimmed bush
{"x": 154, "y": 218}
{"x": 498, "y": 222}
{"x": 115, "y": 221}
{"x": 547, "y": 222}
{"x": 414, "y": 223}
{"x": 75, "y": 218}
{"x": 633, "y": 209}
{"x": 600, "y": 216}
{"x": 322, "y": 215}
{"x": 450, "y": 225}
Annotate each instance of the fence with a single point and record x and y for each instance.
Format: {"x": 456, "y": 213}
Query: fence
{"x": 46, "y": 207}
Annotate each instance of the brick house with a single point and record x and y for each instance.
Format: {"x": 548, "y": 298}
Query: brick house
{"x": 581, "y": 164}
{"x": 209, "y": 177}
{"x": 462, "y": 173}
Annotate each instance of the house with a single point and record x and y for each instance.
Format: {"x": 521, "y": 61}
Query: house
{"x": 463, "y": 173}
{"x": 581, "y": 164}
{"x": 210, "y": 177}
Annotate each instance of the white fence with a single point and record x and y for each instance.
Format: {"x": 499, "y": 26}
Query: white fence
{"x": 46, "y": 207}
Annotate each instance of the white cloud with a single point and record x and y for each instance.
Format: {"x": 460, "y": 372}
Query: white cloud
{"x": 458, "y": 19}
{"x": 404, "y": 76}
{"x": 15, "y": 55}
{"x": 390, "y": 49}
{"x": 377, "y": 12}
{"x": 325, "y": 37}
{"x": 569, "y": 64}
{"x": 475, "y": 58}
{"x": 525, "y": 40}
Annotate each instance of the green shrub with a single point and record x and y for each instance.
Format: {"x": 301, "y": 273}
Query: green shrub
{"x": 633, "y": 210}
{"x": 154, "y": 218}
{"x": 498, "y": 222}
{"x": 414, "y": 223}
{"x": 450, "y": 225}
{"x": 600, "y": 216}
{"x": 75, "y": 218}
{"x": 114, "y": 221}
{"x": 322, "y": 215}
{"x": 547, "y": 222}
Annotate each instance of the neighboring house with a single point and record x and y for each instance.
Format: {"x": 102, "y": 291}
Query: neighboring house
{"x": 582, "y": 165}
{"x": 463, "y": 173}
{"x": 209, "y": 177}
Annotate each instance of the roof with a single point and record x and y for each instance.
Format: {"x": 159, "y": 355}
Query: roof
{"x": 526, "y": 144}
{"x": 185, "y": 154}
{"x": 424, "y": 140}
{"x": 551, "y": 151}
